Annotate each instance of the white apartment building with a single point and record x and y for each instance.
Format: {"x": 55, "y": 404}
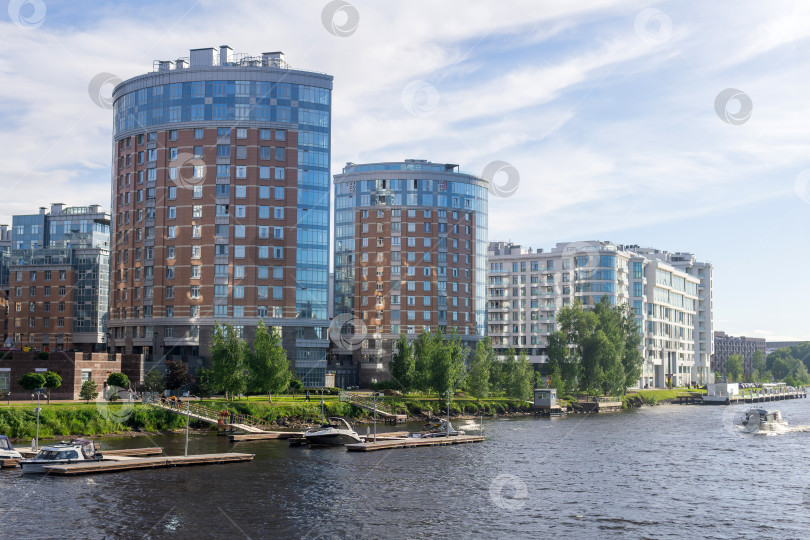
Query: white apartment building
{"x": 670, "y": 293}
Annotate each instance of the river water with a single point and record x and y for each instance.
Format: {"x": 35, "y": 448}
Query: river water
{"x": 658, "y": 472}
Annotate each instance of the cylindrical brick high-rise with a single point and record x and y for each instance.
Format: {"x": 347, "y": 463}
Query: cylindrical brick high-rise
{"x": 221, "y": 206}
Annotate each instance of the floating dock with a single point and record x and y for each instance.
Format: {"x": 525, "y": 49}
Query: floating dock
{"x": 127, "y": 464}
{"x": 112, "y": 455}
{"x": 266, "y": 435}
{"x": 412, "y": 442}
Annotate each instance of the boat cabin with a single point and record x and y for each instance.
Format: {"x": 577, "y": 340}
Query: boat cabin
{"x": 545, "y": 397}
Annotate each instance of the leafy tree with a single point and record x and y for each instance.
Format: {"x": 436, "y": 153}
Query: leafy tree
{"x": 118, "y": 379}
{"x": 52, "y": 380}
{"x": 177, "y": 375}
{"x": 508, "y": 367}
{"x": 425, "y": 349}
{"x": 154, "y": 382}
{"x": 779, "y": 368}
{"x": 734, "y": 367}
{"x": 481, "y": 368}
{"x": 204, "y": 385}
{"x": 758, "y": 362}
{"x": 521, "y": 378}
{"x": 268, "y": 364}
{"x": 32, "y": 381}
{"x": 114, "y": 382}
{"x": 295, "y": 386}
{"x": 88, "y": 391}
{"x": 497, "y": 379}
{"x": 228, "y": 358}
{"x": 801, "y": 375}
{"x": 403, "y": 365}
{"x": 447, "y": 366}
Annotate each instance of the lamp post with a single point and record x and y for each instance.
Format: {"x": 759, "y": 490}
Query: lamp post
{"x": 323, "y": 418}
{"x": 374, "y": 395}
{"x": 37, "y": 394}
{"x": 448, "y": 411}
{"x": 188, "y": 415}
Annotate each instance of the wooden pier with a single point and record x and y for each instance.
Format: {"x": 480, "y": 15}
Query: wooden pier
{"x": 755, "y": 396}
{"x": 266, "y": 435}
{"x": 412, "y": 442}
{"x": 127, "y": 464}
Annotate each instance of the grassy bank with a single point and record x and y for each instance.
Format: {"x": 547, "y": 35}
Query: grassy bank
{"x": 637, "y": 398}
{"x": 64, "y": 420}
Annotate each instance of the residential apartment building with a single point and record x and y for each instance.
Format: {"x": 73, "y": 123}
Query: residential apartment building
{"x": 726, "y": 345}
{"x": 5, "y": 258}
{"x": 221, "y": 206}
{"x": 527, "y": 288}
{"x": 59, "y": 279}
{"x": 410, "y": 255}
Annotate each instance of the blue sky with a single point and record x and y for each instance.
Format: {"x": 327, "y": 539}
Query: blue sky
{"x": 605, "y": 108}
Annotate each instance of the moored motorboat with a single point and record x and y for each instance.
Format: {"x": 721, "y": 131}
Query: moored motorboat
{"x": 335, "y": 432}
{"x": 437, "y": 428}
{"x": 75, "y": 451}
{"x": 6, "y": 450}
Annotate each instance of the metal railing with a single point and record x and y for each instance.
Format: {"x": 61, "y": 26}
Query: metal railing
{"x": 212, "y": 415}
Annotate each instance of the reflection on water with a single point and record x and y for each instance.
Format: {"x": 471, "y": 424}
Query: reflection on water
{"x": 667, "y": 471}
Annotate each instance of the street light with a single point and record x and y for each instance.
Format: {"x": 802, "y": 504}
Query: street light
{"x": 448, "y": 392}
{"x": 374, "y": 395}
{"x": 188, "y": 415}
{"x": 323, "y": 418}
{"x": 37, "y": 394}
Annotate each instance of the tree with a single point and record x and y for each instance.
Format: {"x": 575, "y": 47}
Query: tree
{"x": 154, "y": 381}
{"x": 425, "y": 348}
{"x": 734, "y": 367}
{"x": 52, "y": 380}
{"x": 115, "y": 382}
{"x": 177, "y": 375}
{"x": 295, "y": 386}
{"x": 88, "y": 391}
{"x": 32, "y": 381}
{"x": 521, "y": 378}
{"x": 779, "y": 368}
{"x": 758, "y": 362}
{"x": 204, "y": 385}
{"x": 268, "y": 364}
{"x": 403, "y": 365}
{"x": 118, "y": 379}
{"x": 480, "y": 368}
{"x": 228, "y": 358}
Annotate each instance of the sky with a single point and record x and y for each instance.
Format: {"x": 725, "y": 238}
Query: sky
{"x": 679, "y": 125}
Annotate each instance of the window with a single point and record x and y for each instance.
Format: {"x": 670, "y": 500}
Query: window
{"x": 277, "y": 293}
{"x": 279, "y": 173}
{"x": 172, "y": 193}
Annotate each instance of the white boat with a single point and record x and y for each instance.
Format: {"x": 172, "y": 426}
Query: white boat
{"x": 437, "y": 428}
{"x": 75, "y": 451}
{"x": 336, "y": 432}
{"x": 762, "y": 421}
{"x": 6, "y": 450}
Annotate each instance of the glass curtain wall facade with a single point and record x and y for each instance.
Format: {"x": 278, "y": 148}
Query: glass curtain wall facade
{"x": 221, "y": 205}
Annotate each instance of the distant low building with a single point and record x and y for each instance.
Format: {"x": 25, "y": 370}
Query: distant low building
{"x": 771, "y": 346}
{"x": 726, "y": 345}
